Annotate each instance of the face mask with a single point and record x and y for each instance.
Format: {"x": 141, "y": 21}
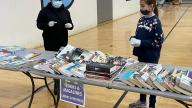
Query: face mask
{"x": 145, "y": 12}
{"x": 57, "y": 4}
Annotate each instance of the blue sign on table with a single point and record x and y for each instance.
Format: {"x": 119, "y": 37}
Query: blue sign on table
{"x": 72, "y": 92}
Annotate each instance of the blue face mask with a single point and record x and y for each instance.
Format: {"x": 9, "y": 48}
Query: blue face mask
{"x": 56, "y": 3}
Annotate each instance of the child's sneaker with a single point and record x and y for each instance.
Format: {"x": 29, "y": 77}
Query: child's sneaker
{"x": 138, "y": 104}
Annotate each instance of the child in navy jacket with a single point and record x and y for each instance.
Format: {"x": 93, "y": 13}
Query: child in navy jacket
{"x": 147, "y": 42}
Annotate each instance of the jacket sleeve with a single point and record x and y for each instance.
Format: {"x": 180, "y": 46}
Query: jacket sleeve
{"x": 69, "y": 20}
{"x": 158, "y": 39}
{"x": 42, "y": 22}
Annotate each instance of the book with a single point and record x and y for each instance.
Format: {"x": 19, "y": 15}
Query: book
{"x": 102, "y": 67}
{"x": 97, "y": 77}
{"x": 77, "y": 69}
{"x": 45, "y": 65}
{"x": 133, "y": 80}
{"x": 10, "y": 60}
{"x": 124, "y": 77}
{"x": 170, "y": 82}
{"x": 151, "y": 70}
{"x": 159, "y": 79}
{"x": 30, "y": 55}
{"x": 100, "y": 73}
{"x": 7, "y": 57}
{"x": 11, "y": 49}
{"x": 64, "y": 51}
{"x": 86, "y": 56}
{"x": 4, "y": 53}
{"x": 186, "y": 83}
{"x": 74, "y": 55}
{"x": 136, "y": 78}
{"x": 173, "y": 81}
{"x": 69, "y": 69}
{"x": 20, "y": 62}
{"x": 59, "y": 68}
{"x": 189, "y": 74}
{"x": 137, "y": 67}
{"x": 99, "y": 57}
{"x": 145, "y": 85}
{"x": 158, "y": 85}
{"x": 147, "y": 72}
{"x": 131, "y": 61}
{"x": 183, "y": 91}
{"x": 151, "y": 83}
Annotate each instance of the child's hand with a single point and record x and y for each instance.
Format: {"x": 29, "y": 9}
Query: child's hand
{"x": 52, "y": 23}
{"x": 68, "y": 25}
{"x": 135, "y": 42}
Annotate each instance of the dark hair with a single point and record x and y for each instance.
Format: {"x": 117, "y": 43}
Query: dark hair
{"x": 154, "y": 3}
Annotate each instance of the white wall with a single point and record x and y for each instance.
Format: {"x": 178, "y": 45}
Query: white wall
{"x": 18, "y": 20}
{"x": 122, "y": 8}
{"x": 18, "y": 23}
{"x": 84, "y": 15}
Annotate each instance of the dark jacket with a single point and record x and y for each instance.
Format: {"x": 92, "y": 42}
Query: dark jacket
{"x": 56, "y": 36}
{"x": 149, "y": 31}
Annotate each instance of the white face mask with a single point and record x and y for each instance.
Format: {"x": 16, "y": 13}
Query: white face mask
{"x": 56, "y": 4}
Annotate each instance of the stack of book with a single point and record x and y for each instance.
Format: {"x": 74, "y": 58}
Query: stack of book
{"x": 154, "y": 76}
{"x": 101, "y": 70}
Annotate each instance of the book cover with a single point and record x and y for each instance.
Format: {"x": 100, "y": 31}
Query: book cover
{"x": 124, "y": 77}
{"x": 29, "y": 55}
{"x": 70, "y": 69}
{"x": 183, "y": 91}
{"x": 7, "y": 57}
{"x": 145, "y": 85}
{"x": 11, "y": 49}
{"x": 100, "y": 73}
{"x": 131, "y": 61}
{"x": 159, "y": 79}
{"x": 4, "y": 53}
{"x": 45, "y": 65}
{"x": 59, "y": 68}
{"x": 64, "y": 51}
{"x": 133, "y": 80}
{"x": 86, "y": 56}
{"x": 78, "y": 70}
{"x": 102, "y": 67}
{"x": 159, "y": 86}
{"x": 97, "y": 77}
{"x": 99, "y": 57}
{"x": 186, "y": 83}
{"x": 189, "y": 74}
{"x": 150, "y": 82}
{"x": 74, "y": 55}
{"x": 170, "y": 82}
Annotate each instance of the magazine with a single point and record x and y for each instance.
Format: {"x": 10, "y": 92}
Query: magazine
{"x": 64, "y": 51}
{"x": 45, "y": 65}
{"x": 69, "y": 69}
